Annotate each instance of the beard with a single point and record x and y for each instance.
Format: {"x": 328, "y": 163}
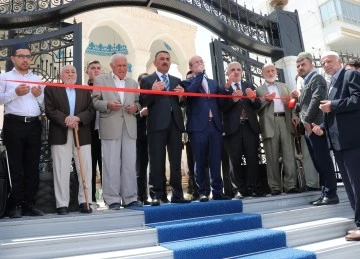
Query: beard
{"x": 270, "y": 79}
{"x": 70, "y": 81}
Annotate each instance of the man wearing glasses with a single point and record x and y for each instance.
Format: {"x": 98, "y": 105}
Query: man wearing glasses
{"x": 22, "y": 131}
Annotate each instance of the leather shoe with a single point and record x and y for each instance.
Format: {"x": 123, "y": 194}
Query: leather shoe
{"x": 134, "y": 204}
{"x": 326, "y": 201}
{"x": 317, "y": 200}
{"x": 146, "y": 202}
{"x": 114, "y": 206}
{"x": 275, "y": 192}
{"x": 238, "y": 196}
{"x": 203, "y": 198}
{"x": 165, "y": 200}
{"x": 258, "y": 194}
{"x": 29, "y": 209}
{"x": 179, "y": 200}
{"x": 221, "y": 197}
{"x": 355, "y": 236}
{"x": 195, "y": 197}
{"x": 84, "y": 209}
{"x": 15, "y": 212}
{"x": 155, "y": 202}
{"x": 62, "y": 211}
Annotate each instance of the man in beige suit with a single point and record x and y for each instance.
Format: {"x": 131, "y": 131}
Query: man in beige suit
{"x": 276, "y": 130}
{"x": 118, "y": 132}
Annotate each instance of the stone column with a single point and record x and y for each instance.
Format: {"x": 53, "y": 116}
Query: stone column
{"x": 139, "y": 60}
{"x": 288, "y": 64}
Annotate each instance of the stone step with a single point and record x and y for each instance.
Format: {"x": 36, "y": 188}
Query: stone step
{"x": 73, "y": 223}
{"x": 316, "y": 231}
{"x": 333, "y": 248}
{"x": 78, "y": 244}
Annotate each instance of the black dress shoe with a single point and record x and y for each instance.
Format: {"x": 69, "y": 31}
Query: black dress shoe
{"x": 327, "y": 201}
{"x": 221, "y": 197}
{"x": 195, "y": 197}
{"x": 179, "y": 200}
{"x": 293, "y": 190}
{"x": 203, "y": 198}
{"x": 258, "y": 194}
{"x": 114, "y": 206}
{"x": 275, "y": 192}
{"x": 155, "y": 202}
{"x": 84, "y": 209}
{"x": 238, "y": 196}
{"x": 29, "y": 209}
{"x": 15, "y": 212}
{"x": 146, "y": 202}
{"x": 165, "y": 200}
{"x": 317, "y": 200}
{"x": 62, "y": 211}
{"x": 134, "y": 204}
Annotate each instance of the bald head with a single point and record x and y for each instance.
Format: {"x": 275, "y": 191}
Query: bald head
{"x": 196, "y": 65}
{"x": 331, "y": 62}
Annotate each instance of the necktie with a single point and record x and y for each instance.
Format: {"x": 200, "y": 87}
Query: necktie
{"x": 243, "y": 112}
{"x": 166, "y": 81}
{"x": 237, "y": 86}
{"x": 331, "y": 85}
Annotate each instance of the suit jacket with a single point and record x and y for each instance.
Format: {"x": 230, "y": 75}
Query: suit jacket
{"x": 309, "y": 101}
{"x": 197, "y": 109}
{"x": 111, "y": 121}
{"x": 160, "y": 107}
{"x": 232, "y": 111}
{"x": 266, "y": 111}
{"x": 343, "y": 122}
{"x": 57, "y": 109}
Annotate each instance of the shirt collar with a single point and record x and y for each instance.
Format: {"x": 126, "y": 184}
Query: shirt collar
{"x": 160, "y": 74}
{"x": 336, "y": 75}
{"x": 308, "y": 75}
{"x": 116, "y": 77}
{"x": 17, "y": 72}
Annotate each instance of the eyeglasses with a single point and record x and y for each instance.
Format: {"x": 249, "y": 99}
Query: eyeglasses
{"x": 21, "y": 56}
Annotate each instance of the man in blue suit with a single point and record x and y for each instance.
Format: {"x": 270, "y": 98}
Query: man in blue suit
{"x": 341, "y": 125}
{"x": 205, "y": 130}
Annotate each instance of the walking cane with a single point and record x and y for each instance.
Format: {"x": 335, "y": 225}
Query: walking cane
{"x": 301, "y": 174}
{"x": 81, "y": 168}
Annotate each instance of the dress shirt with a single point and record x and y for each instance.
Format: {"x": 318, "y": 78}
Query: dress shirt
{"x": 333, "y": 80}
{"x": 71, "y": 94}
{"x": 119, "y": 83}
{"x": 278, "y": 104}
{"x": 26, "y": 105}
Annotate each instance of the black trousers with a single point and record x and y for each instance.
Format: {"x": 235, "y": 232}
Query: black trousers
{"x": 142, "y": 160}
{"x": 23, "y": 144}
{"x": 96, "y": 157}
{"x": 225, "y": 168}
{"x": 244, "y": 142}
{"x": 158, "y": 142}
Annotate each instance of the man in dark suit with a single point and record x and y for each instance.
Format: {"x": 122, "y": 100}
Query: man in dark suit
{"x": 205, "y": 131}
{"x": 164, "y": 127}
{"x": 341, "y": 126}
{"x": 142, "y": 154}
{"x": 68, "y": 110}
{"x": 315, "y": 90}
{"x": 93, "y": 69}
{"x": 242, "y": 131}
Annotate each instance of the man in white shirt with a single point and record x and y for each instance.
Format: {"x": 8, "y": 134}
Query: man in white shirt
{"x": 118, "y": 132}
{"x": 22, "y": 131}
{"x": 277, "y": 131}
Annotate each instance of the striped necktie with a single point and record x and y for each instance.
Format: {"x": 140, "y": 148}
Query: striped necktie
{"x": 166, "y": 81}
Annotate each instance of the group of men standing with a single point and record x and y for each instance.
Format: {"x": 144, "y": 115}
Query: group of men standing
{"x": 76, "y": 114}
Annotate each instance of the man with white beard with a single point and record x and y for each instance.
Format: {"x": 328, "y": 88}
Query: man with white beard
{"x": 69, "y": 109}
{"x": 276, "y": 122}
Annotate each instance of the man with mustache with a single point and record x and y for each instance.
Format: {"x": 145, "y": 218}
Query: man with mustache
{"x": 277, "y": 131}
{"x": 22, "y": 131}
{"x": 69, "y": 109}
{"x": 165, "y": 124}
{"x": 314, "y": 91}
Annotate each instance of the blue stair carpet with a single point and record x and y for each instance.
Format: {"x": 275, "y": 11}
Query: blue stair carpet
{"x": 169, "y": 212}
{"x": 217, "y": 229}
{"x": 198, "y": 227}
{"x": 284, "y": 253}
{"x": 228, "y": 245}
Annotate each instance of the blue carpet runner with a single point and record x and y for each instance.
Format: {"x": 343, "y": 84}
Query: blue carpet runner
{"x": 217, "y": 229}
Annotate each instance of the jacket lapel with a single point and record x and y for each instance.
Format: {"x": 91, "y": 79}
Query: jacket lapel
{"x": 110, "y": 82}
{"x": 63, "y": 96}
{"x": 337, "y": 86}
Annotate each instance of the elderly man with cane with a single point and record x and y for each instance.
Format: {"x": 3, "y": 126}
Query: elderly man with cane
{"x": 69, "y": 111}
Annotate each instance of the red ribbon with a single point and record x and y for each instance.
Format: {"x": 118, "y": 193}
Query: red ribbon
{"x": 141, "y": 91}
